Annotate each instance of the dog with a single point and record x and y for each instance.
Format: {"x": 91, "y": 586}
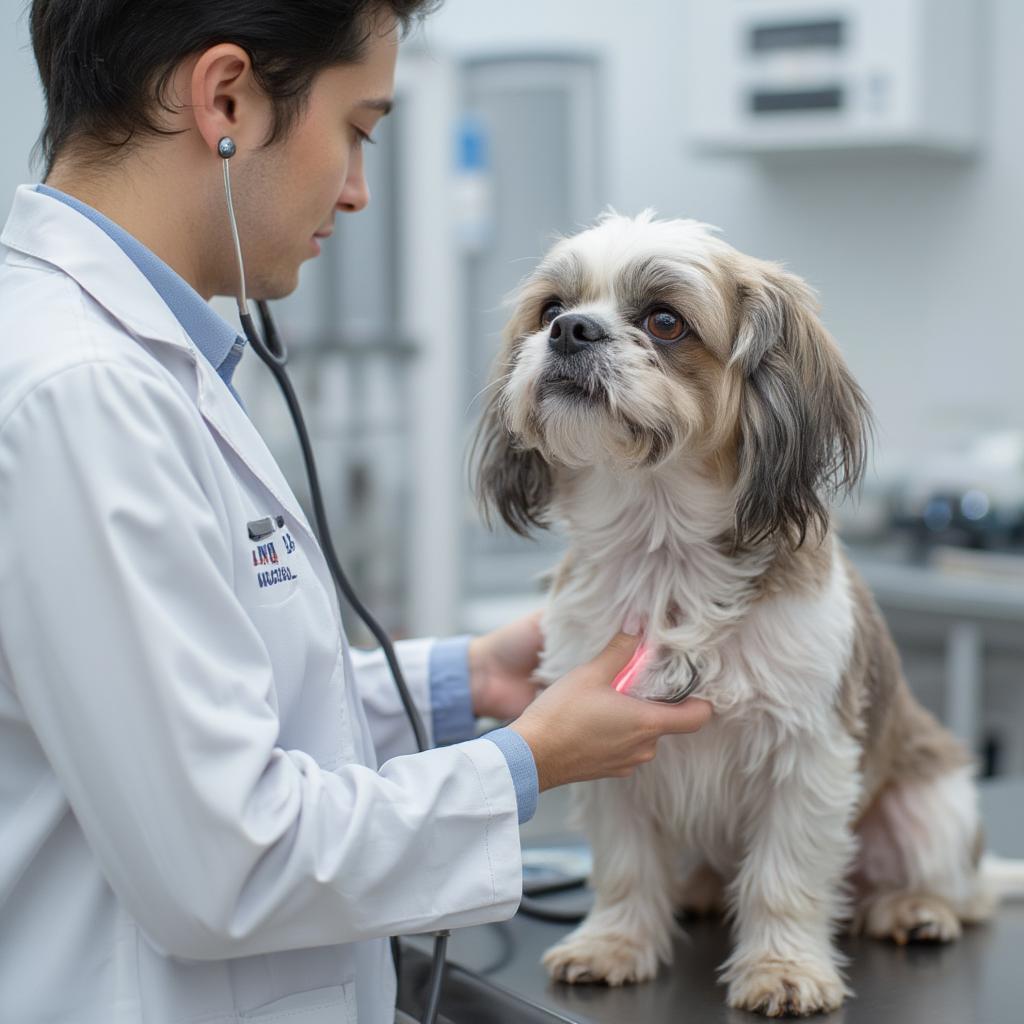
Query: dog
{"x": 679, "y": 408}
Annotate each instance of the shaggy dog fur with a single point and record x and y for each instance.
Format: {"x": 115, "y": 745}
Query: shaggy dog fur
{"x": 680, "y": 409}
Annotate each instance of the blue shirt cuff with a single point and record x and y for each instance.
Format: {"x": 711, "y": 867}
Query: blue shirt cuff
{"x": 451, "y": 707}
{"x": 522, "y": 767}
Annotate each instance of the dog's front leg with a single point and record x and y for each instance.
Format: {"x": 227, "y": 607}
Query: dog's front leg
{"x": 630, "y": 928}
{"x": 787, "y": 894}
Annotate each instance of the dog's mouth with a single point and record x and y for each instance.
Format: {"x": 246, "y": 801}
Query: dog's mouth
{"x": 580, "y": 388}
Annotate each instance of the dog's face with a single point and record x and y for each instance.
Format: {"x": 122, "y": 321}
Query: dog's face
{"x": 639, "y": 342}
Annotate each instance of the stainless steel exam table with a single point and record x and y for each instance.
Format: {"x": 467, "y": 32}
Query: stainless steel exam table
{"x": 496, "y": 978}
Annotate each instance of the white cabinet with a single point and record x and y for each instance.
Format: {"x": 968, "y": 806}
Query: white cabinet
{"x": 777, "y": 75}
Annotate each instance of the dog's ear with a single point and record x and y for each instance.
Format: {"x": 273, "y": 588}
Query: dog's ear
{"x": 804, "y": 423}
{"x": 509, "y": 478}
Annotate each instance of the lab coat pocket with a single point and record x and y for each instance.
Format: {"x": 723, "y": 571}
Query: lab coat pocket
{"x": 333, "y": 1005}
{"x": 275, "y": 566}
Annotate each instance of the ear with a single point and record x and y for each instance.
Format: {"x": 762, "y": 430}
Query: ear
{"x": 510, "y": 479}
{"x": 804, "y": 422}
{"x": 225, "y": 100}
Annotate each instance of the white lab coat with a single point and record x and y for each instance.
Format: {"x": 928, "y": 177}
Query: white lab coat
{"x": 193, "y": 827}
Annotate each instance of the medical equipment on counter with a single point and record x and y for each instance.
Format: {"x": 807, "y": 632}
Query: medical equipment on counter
{"x": 965, "y": 492}
{"x": 272, "y": 351}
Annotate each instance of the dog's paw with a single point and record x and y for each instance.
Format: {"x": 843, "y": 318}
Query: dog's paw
{"x": 906, "y": 917}
{"x": 605, "y": 958}
{"x": 786, "y": 988}
{"x": 701, "y": 893}
{"x": 666, "y": 675}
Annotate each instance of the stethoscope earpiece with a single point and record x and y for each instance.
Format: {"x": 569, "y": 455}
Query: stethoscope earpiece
{"x": 226, "y": 149}
{"x": 269, "y": 347}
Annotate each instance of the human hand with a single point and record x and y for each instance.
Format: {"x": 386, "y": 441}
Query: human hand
{"x": 501, "y": 667}
{"x": 580, "y": 728}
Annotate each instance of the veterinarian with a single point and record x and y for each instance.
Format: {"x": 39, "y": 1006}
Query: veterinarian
{"x": 209, "y": 808}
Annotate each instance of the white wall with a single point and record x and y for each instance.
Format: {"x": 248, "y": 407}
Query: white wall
{"x": 22, "y": 101}
{"x": 917, "y": 259}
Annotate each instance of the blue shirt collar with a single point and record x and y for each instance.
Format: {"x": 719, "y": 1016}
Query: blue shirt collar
{"x": 213, "y": 336}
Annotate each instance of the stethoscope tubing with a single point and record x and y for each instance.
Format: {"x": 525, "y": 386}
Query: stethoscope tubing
{"x": 272, "y": 351}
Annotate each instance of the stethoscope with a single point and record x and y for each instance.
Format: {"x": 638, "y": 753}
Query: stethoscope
{"x": 272, "y": 351}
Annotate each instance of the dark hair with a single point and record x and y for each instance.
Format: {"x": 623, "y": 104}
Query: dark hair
{"x": 105, "y": 64}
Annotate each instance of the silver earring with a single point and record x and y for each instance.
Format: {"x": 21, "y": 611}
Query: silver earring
{"x": 226, "y": 148}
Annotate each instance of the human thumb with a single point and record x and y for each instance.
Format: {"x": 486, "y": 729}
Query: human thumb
{"x": 689, "y": 716}
{"x": 614, "y": 658}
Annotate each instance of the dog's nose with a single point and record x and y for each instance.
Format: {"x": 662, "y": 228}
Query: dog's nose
{"x": 573, "y": 332}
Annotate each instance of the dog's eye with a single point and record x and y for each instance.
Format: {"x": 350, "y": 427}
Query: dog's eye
{"x": 666, "y": 325}
{"x": 550, "y": 311}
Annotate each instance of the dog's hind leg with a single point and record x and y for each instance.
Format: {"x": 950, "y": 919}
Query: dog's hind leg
{"x": 918, "y": 873}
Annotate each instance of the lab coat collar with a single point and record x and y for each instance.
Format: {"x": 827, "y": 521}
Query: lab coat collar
{"x": 213, "y": 336}
{"x": 46, "y": 229}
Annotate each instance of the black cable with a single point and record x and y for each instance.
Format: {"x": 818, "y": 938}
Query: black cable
{"x": 275, "y": 360}
{"x": 561, "y": 885}
{"x": 436, "y": 978}
{"x": 530, "y": 906}
{"x": 533, "y": 907}
{"x": 274, "y": 354}
{"x": 396, "y": 956}
{"x": 506, "y": 952}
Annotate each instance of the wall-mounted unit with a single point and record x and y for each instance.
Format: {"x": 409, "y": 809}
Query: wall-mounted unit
{"x": 778, "y": 75}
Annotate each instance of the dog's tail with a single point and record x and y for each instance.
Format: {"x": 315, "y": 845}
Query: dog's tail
{"x": 1003, "y": 877}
